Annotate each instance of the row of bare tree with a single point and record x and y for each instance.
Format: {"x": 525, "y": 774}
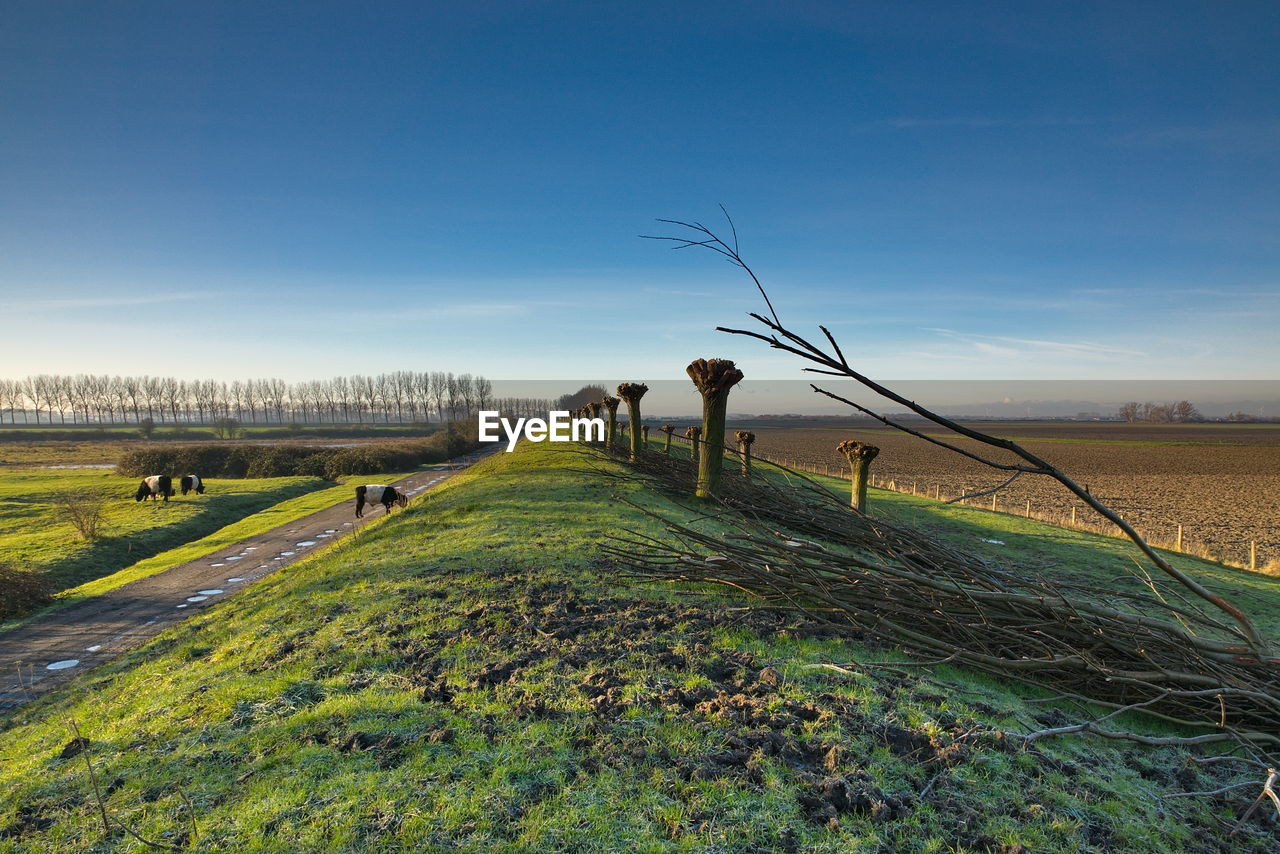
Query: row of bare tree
{"x": 396, "y": 397}
{"x": 1182, "y": 412}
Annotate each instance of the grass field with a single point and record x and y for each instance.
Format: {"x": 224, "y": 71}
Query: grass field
{"x": 35, "y": 535}
{"x": 471, "y": 675}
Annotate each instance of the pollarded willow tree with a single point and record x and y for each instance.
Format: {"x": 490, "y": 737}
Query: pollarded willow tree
{"x": 713, "y": 378}
{"x": 694, "y": 434}
{"x": 631, "y": 393}
{"x": 859, "y": 455}
{"x": 668, "y": 429}
{"x": 745, "y": 440}
{"x": 611, "y": 405}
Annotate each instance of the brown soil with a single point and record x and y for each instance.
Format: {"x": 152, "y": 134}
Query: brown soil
{"x": 1225, "y": 495}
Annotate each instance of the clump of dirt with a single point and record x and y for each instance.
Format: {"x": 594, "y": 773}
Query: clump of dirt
{"x": 74, "y": 747}
{"x": 823, "y": 800}
{"x": 30, "y": 819}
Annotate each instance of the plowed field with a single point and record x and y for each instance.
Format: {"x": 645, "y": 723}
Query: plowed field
{"x": 1221, "y": 483}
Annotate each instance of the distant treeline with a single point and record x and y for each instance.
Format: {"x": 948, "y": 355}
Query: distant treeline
{"x": 400, "y": 397}
{"x": 244, "y": 460}
{"x": 1182, "y": 412}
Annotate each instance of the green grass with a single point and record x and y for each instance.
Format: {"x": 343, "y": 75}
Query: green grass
{"x": 260, "y": 522}
{"x": 35, "y": 535}
{"x": 472, "y": 675}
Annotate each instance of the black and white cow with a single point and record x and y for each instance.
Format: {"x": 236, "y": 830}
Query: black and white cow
{"x": 191, "y": 482}
{"x": 157, "y": 484}
{"x": 373, "y": 493}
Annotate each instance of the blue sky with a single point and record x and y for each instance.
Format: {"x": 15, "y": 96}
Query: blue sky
{"x": 960, "y": 191}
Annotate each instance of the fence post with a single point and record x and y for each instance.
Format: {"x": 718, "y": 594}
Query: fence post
{"x": 993, "y": 503}
{"x": 1177, "y": 544}
{"x": 1073, "y": 516}
{"x": 1028, "y": 508}
{"x": 1253, "y": 555}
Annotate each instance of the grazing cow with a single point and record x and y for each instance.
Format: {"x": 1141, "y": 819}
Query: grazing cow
{"x": 191, "y": 482}
{"x": 157, "y": 484}
{"x": 372, "y": 494}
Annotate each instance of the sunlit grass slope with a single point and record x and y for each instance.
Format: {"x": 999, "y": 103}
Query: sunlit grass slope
{"x": 471, "y": 674}
{"x": 35, "y": 535}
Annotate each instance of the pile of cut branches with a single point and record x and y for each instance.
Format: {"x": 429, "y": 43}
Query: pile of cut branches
{"x": 1162, "y": 653}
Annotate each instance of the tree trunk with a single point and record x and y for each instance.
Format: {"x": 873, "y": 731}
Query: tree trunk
{"x": 745, "y": 439}
{"x": 694, "y": 434}
{"x": 714, "y": 378}
{"x": 631, "y": 393}
{"x": 611, "y": 434}
{"x": 859, "y": 456}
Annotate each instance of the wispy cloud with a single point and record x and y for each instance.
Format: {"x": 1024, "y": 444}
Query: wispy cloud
{"x": 972, "y": 122}
{"x": 1258, "y": 137}
{"x": 480, "y": 309}
{"x": 1009, "y": 347}
{"x": 64, "y": 303}
{"x": 677, "y": 292}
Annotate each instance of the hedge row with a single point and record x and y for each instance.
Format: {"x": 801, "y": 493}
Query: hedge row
{"x": 168, "y": 433}
{"x": 244, "y": 460}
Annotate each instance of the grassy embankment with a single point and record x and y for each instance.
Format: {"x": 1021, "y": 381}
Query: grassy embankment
{"x": 470, "y": 675}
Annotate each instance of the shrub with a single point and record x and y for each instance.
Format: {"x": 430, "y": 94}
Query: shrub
{"x": 227, "y": 428}
{"x": 21, "y": 591}
{"x": 84, "y": 510}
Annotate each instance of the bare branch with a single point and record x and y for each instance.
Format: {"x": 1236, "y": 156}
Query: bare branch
{"x": 983, "y": 492}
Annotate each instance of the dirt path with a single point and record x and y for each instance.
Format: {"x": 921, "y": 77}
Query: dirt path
{"x": 52, "y": 650}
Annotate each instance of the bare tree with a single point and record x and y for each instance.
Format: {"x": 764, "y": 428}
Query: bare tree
{"x": 483, "y": 392}
{"x": 82, "y": 392}
{"x": 133, "y": 393}
{"x": 276, "y": 393}
{"x": 467, "y": 394}
{"x": 262, "y": 389}
{"x": 236, "y": 392}
{"x": 1185, "y": 412}
{"x": 33, "y": 387}
{"x": 9, "y": 397}
{"x": 171, "y": 393}
{"x": 151, "y": 393}
{"x": 439, "y": 391}
{"x": 342, "y": 392}
{"x": 453, "y": 389}
{"x": 59, "y": 392}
